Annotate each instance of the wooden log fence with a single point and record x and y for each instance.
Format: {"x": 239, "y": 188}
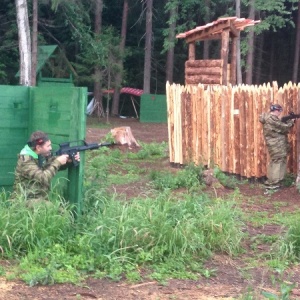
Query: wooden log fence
{"x": 205, "y": 71}
{"x": 219, "y": 125}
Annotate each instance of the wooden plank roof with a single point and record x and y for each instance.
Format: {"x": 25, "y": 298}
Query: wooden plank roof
{"x": 214, "y": 29}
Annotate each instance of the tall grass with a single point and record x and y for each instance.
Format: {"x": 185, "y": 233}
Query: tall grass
{"x": 114, "y": 234}
{"x": 23, "y": 228}
{"x": 289, "y": 244}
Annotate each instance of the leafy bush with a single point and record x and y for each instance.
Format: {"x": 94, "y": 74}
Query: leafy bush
{"x": 289, "y": 180}
{"x": 147, "y": 151}
{"x": 225, "y": 180}
{"x": 189, "y": 177}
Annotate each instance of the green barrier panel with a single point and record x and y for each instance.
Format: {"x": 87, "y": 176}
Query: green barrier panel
{"x": 59, "y": 110}
{"x": 153, "y": 108}
{"x": 14, "y": 107}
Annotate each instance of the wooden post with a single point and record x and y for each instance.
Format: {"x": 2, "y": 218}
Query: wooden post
{"x": 224, "y": 55}
{"x": 224, "y": 127}
{"x": 192, "y": 51}
{"x": 298, "y": 137}
{"x": 171, "y": 94}
{"x": 233, "y": 62}
{"x": 243, "y": 132}
{"x": 236, "y": 127}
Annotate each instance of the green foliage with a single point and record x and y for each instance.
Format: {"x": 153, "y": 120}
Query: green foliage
{"x": 70, "y": 24}
{"x": 289, "y": 180}
{"x": 152, "y": 150}
{"x": 225, "y": 180}
{"x": 176, "y": 268}
{"x": 285, "y": 292}
{"x": 23, "y": 228}
{"x": 276, "y": 14}
{"x": 189, "y": 177}
{"x": 2, "y": 271}
{"x": 290, "y": 244}
{"x": 115, "y": 238}
{"x": 49, "y": 266}
{"x": 99, "y": 51}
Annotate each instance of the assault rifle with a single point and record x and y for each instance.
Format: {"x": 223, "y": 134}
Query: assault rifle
{"x": 290, "y": 116}
{"x": 66, "y": 148}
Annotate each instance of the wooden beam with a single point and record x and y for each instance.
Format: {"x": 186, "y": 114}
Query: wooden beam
{"x": 202, "y": 63}
{"x": 233, "y": 62}
{"x": 192, "y": 51}
{"x": 224, "y": 55}
{"x": 233, "y": 31}
{"x": 203, "y": 79}
{"x": 203, "y": 71}
{"x": 203, "y": 34}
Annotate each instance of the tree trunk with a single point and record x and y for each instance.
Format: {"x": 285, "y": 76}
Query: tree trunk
{"x": 119, "y": 76}
{"x": 34, "y": 45}
{"x": 272, "y": 59}
{"x": 97, "y": 73}
{"x": 24, "y": 42}
{"x": 259, "y": 40}
{"x": 171, "y": 39}
{"x": 297, "y": 48}
{"x": 148, "y": 50}
{"x": 207, "y": 19}
{"x": 250, "y": 55}
{"x": 239, "y": 79}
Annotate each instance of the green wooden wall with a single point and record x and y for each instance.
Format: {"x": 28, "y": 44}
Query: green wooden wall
{"x": 153, "y": 108}
{"x": 14, "y": 109}
{"x": 59, "y": 110}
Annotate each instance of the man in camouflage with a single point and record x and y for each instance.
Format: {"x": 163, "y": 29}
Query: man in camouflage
{"x": 275, "y": 134}
{"x": 36, "y": 167}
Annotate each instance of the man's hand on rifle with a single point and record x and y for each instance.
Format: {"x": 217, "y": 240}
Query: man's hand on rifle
{"x": 63, "y": 159}
{"x": 77, "y": 158}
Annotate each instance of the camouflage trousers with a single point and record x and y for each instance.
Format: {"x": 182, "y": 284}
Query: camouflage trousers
{"x": 276, "y": 171}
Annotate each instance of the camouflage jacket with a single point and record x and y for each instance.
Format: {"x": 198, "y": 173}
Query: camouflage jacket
{"x": 33, "y": 174}
{"x": 275, "y": 134}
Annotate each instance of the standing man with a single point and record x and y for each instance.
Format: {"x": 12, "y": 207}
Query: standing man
{"x": 275, "y": 134}
{"x": 36, "y": 167}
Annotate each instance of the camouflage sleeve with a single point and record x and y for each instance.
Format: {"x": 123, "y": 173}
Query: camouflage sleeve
{"x": 32, "y": 171}
{"x": 51, "y": 159}
{"x": 279, "y": 126}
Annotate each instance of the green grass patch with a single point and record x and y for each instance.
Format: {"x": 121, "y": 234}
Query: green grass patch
{"x": 188, "y": 177}
{"x": 116, "y": 239}
{"x": 149, "y": 152}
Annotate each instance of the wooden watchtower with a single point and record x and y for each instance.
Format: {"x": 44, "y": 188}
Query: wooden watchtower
{"x": 214, "y": 71}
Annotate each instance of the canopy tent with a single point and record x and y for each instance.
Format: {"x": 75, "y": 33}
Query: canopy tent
{"x": 125, "y": 90}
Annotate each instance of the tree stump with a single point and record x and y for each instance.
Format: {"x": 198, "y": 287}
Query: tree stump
{"x": 124, "y": 136}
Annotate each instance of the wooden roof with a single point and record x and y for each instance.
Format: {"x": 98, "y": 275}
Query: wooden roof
{"x": 214, "y": 29}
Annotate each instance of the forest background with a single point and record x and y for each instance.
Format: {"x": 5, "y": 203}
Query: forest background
{"x": 112, "y": 44}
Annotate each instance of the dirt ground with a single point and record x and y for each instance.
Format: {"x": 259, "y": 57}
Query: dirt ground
{"x": 233, "y": 278}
